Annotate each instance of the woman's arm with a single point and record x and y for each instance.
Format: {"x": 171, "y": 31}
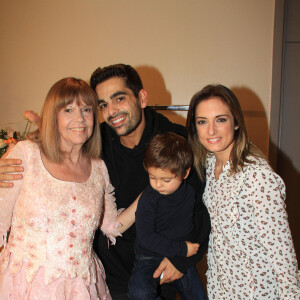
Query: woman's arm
{"x": 271, "y": 221}
{"x": 127, "y": 217}
{"x": 114, "y": 222}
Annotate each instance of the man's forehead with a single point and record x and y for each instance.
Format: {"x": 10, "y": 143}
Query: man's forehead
{"x": 111, "y": 87}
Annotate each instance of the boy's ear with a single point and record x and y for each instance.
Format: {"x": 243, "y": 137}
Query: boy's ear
{"x": 187, "y": 173}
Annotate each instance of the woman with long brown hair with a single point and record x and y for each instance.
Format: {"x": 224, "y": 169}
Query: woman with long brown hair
{"x": 251, "y": 253}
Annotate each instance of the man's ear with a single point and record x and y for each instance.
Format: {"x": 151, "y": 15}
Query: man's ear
{"x": 143, "y": 98}
{"x": 187, "y": 173}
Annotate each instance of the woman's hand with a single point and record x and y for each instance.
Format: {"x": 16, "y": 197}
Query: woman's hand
{"x": 192, "y": 248}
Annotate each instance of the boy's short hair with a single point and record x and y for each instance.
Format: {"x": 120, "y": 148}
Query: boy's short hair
{"x": 169, "y": 151}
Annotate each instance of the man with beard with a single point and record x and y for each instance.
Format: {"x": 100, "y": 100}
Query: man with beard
{"x": 129, "y": 125}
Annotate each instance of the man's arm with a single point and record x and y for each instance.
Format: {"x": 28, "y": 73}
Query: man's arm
{"x": 8, "y": 166}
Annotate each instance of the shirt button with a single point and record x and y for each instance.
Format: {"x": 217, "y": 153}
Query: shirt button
{"x": 73, "y": 222}
{"x": 73, "y": 210}
{"x": 74, "y": 198}
{"x": 72, "y": 234}
{"x": 71, "y": 246}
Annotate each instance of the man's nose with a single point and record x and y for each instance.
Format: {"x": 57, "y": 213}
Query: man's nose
{"x": 112, "y": 109}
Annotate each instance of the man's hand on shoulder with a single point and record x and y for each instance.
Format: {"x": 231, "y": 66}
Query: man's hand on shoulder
{"x": 8, "y": 166}
{"x": 170, "y": 273}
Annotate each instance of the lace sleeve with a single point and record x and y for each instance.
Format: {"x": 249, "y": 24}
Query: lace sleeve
{"x": 109, "y": 225}
{"x": 8, "y": 196}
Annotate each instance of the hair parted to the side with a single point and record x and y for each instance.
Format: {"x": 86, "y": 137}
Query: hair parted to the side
{"x": 128, "y": 73}
{"x": 242, "y": 147}
{"x": 62, "y": 93}
{"x": 169, "y": 151}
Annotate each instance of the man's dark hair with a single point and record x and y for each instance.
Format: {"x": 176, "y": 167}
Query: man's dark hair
{"x": 169, "y": 151}
{"x": 128, "y": 73}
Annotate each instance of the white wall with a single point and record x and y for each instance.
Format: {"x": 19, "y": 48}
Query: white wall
{"x": 177, "y": 46}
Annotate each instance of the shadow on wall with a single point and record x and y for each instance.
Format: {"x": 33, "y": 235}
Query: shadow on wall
{"x": 158, "y": 94}
{"x": 291, "y": 177}
{"x": 254, "y": 112}
{"x": 255, "y": 117}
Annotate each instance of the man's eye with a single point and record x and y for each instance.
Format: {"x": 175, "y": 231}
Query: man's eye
{"x": 119, "y": 99}
{"x": 102, "y": 106}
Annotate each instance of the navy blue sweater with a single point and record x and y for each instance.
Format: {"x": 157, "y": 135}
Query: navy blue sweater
{"x": 164, "y": 222}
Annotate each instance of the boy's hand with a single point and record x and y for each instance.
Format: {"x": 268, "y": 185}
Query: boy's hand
{"x": 192, "y": 248}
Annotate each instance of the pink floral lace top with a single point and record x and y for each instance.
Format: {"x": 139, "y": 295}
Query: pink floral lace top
{"x": 52, "y": 221}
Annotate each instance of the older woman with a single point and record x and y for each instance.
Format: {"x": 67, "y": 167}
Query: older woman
{"x": 53, "y": 212}
{"x": 251, "y": 253}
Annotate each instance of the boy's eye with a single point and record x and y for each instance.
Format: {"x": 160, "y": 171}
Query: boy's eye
{"x": 167, "y": 180}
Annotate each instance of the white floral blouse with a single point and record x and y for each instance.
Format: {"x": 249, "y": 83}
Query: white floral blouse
{"x": 53, "y": 221}
{"x": 251, "y": 253}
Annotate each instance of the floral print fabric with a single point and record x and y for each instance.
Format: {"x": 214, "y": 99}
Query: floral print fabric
{"x": 251, "y": 253}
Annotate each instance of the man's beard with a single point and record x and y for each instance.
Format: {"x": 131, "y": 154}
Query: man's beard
{"x": 132, "y": 123}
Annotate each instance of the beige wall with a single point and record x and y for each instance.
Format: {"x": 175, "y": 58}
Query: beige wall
{"x": 177, "y": 46}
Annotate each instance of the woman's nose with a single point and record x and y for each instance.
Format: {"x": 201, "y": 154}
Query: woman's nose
{"x": 211, "y": 129}
{"x": 79, "y": 114}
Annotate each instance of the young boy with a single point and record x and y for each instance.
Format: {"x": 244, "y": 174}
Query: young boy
{"x": 164, "y": 218}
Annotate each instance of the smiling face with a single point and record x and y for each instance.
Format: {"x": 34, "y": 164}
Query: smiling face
{"x": 164, "y": 181}
{"x": 75, "y": 125}
{"x": 215, "y": 127}
{"x": 120, "y": 109}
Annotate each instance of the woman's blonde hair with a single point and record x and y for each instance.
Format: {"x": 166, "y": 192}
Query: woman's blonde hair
{"x": 242, "y": 147}
{"x": 61, "y": 94}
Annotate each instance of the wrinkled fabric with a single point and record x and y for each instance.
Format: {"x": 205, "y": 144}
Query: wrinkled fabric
{"x": 251, "y": 253}
{"x": 52, "y": 225}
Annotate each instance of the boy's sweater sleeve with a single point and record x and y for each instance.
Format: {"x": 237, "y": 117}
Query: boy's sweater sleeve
{"x": 146, "y": 236}
{"x": 201, "y": 229}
